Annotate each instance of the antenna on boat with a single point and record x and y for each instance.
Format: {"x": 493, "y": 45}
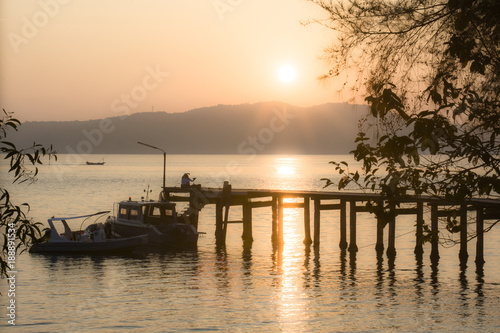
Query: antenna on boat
{"x": 164, "y": 159}
{"x": 147, "y": 193}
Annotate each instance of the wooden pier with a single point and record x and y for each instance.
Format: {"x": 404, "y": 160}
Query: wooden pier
{"x": 225, "y": 197}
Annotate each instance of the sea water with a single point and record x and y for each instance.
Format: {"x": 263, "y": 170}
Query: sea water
{"x": 288, "y": 289}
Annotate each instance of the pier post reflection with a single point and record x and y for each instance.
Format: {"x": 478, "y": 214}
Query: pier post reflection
{"x": 419, "y": 279}
{"x": 435, "y": 288}
{"x": 247, "y": 265}
{"x": 222, "y": 271}
{"x": 479, "y": 290}
{"x": 464, "y": 289}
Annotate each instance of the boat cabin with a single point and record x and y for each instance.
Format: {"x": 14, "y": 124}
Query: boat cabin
{"x": 147, "y": 212}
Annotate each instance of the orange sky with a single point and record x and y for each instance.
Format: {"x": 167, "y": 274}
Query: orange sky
{"x": 78, "y": 60}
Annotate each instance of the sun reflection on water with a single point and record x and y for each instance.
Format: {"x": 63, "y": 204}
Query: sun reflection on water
{"x": 286, "y": 170}
{"x": 286, "y": 166}
{"x": 291, "y": 299}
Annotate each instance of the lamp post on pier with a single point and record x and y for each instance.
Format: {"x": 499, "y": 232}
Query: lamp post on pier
{"x": 164, "y": 159}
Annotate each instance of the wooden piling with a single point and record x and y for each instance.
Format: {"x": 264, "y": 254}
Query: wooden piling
{"x": 274, "y": 225}
{"x": 317, "y": 214}
{"x": 219, "y": 232}
{"x": 221, "y": 216}
{"x": 353, "y": 247}
{"x": 391, "y": 244}
{"x": 307, "y": 222}
{"x": 226, "y": 194}
{"x": 247, "y": 223}
{"x": 463, "y": 254}
{"x": 379, "y": 245}
{"x": 280, "y": 221}
{"x": 196, "y": 203}
{"x": 434, "y": 233}
{"x": 343, "y": 225}
{"x": 480, "y": 237}
{"x": 419, "y": 250}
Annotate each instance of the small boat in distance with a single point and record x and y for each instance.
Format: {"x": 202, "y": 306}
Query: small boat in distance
{"x": 96, "y": 239}
{"x": 95, "y": 163}
{"x": 156, "y": 219}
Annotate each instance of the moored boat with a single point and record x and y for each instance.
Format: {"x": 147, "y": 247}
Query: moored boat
{"x": 96, "y": 239}
{"x": 156, "y": 219}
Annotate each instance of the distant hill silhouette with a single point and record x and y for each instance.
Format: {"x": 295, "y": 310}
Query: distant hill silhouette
{"x": 264, "y": 128}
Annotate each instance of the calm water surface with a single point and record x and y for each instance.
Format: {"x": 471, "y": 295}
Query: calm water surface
{"x": 290, "y": 289}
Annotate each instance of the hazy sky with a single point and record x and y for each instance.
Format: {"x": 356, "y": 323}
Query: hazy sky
{"x": 88, "y": 59}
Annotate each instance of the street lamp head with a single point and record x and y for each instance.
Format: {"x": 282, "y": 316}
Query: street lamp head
{"x": 164, "y": 159}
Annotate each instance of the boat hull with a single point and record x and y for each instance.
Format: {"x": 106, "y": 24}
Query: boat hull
{"x": 175, "y": 236}
{"x": 109, "y": 246}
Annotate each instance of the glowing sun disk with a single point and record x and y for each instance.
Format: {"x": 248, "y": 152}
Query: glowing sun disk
{"x": 287, "y": 73}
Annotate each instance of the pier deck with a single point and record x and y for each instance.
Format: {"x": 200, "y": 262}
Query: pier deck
{"x": 225, "y": 197}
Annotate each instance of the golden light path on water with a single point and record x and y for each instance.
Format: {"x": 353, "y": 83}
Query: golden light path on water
{"x": 291, "y": 300}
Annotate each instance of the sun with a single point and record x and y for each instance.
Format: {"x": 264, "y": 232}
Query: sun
{"x": 286, "y": 73}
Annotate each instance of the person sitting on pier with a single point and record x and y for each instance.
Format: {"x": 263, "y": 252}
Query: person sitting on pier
{"x": 186, "y": 181}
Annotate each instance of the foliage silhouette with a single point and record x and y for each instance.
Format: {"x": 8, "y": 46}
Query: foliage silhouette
{"x": 18, "y": 230}
{"x": 429, "y": 71}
